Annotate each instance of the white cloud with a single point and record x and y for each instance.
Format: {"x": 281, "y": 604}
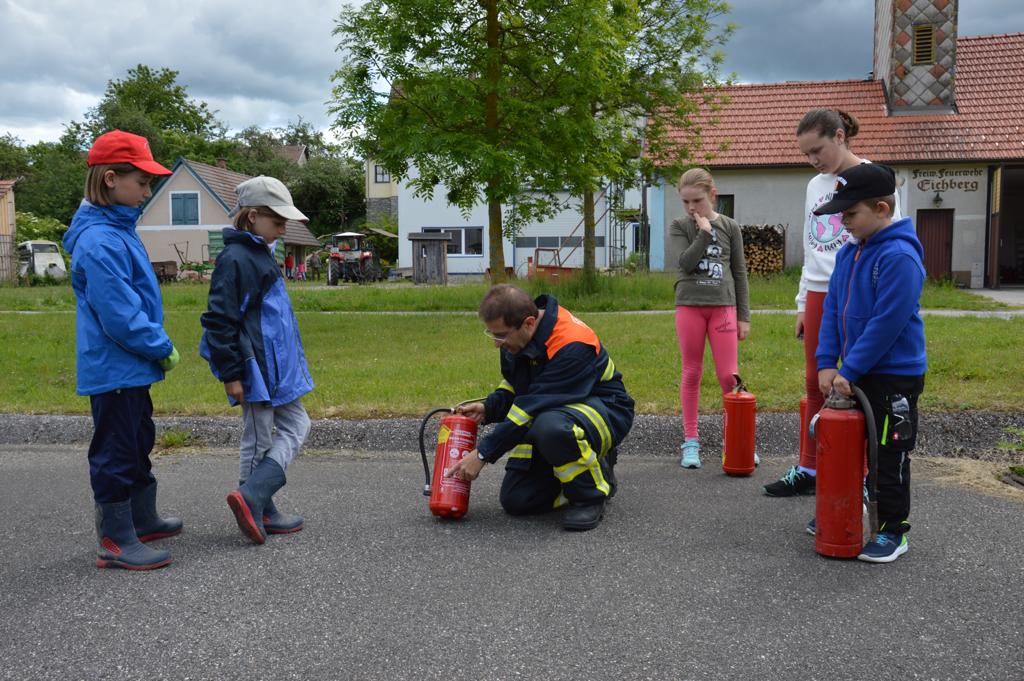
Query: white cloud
{"x": 267, "y": 63}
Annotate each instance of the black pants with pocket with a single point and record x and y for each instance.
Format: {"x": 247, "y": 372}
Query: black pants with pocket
{"x": 882, "y": 390}
{"x": 123, "y": 437}
{"x": 562, "y": 459}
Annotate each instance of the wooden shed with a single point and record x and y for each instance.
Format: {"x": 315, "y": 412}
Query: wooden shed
{"x": 430, "y": 257}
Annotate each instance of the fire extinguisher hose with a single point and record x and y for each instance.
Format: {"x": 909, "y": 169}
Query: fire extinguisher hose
{"x": 423, "y": 448}
{"x": 872, "y": 433}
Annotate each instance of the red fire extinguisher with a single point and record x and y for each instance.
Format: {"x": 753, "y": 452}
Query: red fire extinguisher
{"x": 456, "y": 438}
{"x": 841, "y": 432}
{"x": 738, "y": 440}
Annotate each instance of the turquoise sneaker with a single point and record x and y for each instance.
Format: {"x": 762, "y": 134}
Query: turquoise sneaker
{"x": 691, "y": 454}
{"x": 886, "y": 548}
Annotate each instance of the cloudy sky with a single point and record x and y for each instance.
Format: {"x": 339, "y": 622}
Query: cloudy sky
{"x": 268, "y": 63}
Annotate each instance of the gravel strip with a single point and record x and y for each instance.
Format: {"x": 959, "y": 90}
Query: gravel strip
{"x": 974, "y": 434}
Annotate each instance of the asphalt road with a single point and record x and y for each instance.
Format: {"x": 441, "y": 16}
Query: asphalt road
{"x": 692, "y": 575}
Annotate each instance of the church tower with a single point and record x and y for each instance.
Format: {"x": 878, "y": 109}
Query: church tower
{"x": 915, "y": 54}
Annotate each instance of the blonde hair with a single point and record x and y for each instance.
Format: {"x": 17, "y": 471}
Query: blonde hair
{"x": 96, "y": 190}
{"x": 697, "y": 177}
{"x": 242, "y": 221}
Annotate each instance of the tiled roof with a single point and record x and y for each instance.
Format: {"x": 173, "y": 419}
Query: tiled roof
{"x": 223, "y": 182}
{"x": 758, "y": 125}
{"x": 291, "y": 152}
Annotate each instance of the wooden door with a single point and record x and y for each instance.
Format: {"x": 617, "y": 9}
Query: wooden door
{"x": 935, "y": 230}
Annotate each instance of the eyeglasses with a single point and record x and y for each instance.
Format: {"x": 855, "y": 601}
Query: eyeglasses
{"x": 502, "y": 337}
{"x": 496, "y": 337}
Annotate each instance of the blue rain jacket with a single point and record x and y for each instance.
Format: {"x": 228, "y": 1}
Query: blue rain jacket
{"x": 871, "y": 318}
{"x": 119, "y": 317}
{"x": 250, "y": 333}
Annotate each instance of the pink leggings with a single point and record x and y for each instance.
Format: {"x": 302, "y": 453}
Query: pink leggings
{"x": 693, "y": 324}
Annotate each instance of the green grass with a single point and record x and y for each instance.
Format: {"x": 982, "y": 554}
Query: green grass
{"x": 601, "y": 294}
{"x": 371, "y": 365}
{"x": 172, "y": 439}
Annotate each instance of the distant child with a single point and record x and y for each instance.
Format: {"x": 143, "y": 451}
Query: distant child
{"x": 711, "y": 297}
{"x": 122, "y": 348}
{"x": 301, "y": 270}
{"x": 872, "y": 331}
{"x": 251, "y": 339}
{"x": 289, "y": 266}
{"x": 823, "y": 135}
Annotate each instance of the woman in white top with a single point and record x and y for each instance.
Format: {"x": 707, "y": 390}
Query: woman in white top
{"x": 824, "y": 137}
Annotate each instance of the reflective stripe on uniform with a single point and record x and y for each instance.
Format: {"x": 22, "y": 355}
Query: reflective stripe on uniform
{"x": 595, "y": 417}
{"x": 587, "y": 462}
{"x": 518, "y": 416}
{"x": 505, "y": 385}
{"x": 609, "y": 371}
{"x": 560, "y": 501}
{"x": 522, "y": 451}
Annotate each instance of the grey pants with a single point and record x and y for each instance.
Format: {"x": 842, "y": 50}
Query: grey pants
{"x": 259, "y": 421}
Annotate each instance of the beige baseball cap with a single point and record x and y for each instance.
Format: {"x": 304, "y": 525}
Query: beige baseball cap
{"x": 269, "y": 192}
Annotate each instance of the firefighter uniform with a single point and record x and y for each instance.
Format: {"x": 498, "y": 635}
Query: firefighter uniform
{"x": 561, "y": 409}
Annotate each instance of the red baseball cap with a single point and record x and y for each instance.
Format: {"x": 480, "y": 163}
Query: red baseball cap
{"x": 118, "y": 146}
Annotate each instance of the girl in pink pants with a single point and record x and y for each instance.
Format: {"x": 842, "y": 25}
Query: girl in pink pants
{"x": 711, "y": 296}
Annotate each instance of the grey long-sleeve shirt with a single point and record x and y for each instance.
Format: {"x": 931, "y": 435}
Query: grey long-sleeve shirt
{"x": 712, "y": 269}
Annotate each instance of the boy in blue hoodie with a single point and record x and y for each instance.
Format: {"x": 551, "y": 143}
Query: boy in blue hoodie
{"x": 122, "y": 348}
{"x": 872, "y": 335}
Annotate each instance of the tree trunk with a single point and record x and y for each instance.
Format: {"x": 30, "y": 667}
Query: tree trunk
{"x": 589, "y": 256}
{"x": 496, "y": 250}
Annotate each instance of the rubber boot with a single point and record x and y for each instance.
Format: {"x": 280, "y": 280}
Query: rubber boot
{"x": 275, "y": 522}
{"x": 148, "y": 523}
{"x": 119, "y": 547}
{"x": 248, "y": 501}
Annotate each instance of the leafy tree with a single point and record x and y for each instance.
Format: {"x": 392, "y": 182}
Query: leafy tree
{"x": 55, "y": 183}
{"x": 669, "y": 68}
{"x": 480, "y": 98}
{"x": 150, "y": 102}
{"x": 29, "y": 227}
{"x": 13, "y": 158}
{"x": 330, "y": 191}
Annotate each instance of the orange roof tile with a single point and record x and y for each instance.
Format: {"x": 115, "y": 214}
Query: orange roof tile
{"x": 758, "y": 125}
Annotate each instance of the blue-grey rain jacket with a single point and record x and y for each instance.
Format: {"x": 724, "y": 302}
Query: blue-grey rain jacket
{"x": 250, "y": 331}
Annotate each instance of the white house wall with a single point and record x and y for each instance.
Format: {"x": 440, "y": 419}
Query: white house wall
{"x": 417, "y": 213}
{"x": 776, "y": 196}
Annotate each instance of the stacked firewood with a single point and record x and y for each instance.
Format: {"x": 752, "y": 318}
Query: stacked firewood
{"x": 764, "y": 247}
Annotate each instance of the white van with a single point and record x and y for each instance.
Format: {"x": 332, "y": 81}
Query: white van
{"x": 41, "y": 258}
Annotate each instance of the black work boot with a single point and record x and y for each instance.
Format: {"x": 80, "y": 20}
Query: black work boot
{"x": 580, "y": 518}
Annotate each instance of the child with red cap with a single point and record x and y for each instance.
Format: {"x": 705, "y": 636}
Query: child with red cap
{"x": 122, "y": 348}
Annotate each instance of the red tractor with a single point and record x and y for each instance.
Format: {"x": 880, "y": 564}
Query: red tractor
{"x": 352, "y": 258}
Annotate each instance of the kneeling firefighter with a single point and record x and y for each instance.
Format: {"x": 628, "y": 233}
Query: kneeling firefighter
{"x": 560, "y": 411}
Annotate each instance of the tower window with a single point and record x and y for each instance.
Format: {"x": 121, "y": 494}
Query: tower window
{"x": 924, "y": 44}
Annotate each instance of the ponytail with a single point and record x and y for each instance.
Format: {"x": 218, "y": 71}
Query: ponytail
{"x": 827, "y": 121}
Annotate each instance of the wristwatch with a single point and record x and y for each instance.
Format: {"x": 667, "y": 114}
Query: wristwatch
{"x": 480, "y": 456}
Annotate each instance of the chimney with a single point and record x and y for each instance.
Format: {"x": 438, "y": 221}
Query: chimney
{"x": 915, "y": 54}
{"x": 222, "y": 162}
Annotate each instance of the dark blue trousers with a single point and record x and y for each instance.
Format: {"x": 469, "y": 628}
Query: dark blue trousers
{"x": 123, "y": 436}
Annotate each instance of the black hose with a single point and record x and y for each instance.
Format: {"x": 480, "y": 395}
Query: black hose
{"x": 423, "y": 448}
{"x": 872, "y": 432}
